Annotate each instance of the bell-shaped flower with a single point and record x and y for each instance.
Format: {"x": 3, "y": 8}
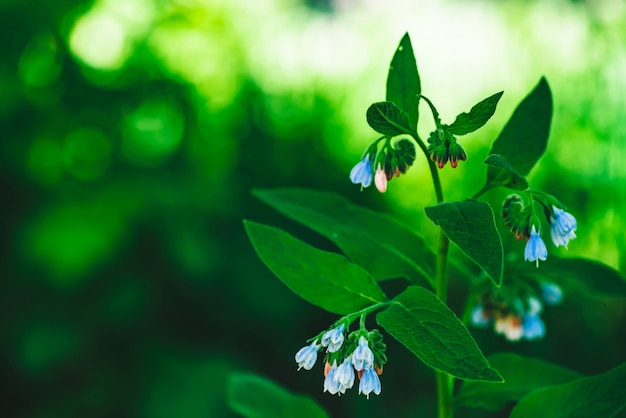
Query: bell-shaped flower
{"x": 345, "y": 375}
{"x": 362, "y": 357}
{"x": 534, "y": 306}
{"x": 535, "y": 247}
{"x": 333, "y": 339}
{"x": 510, "y": 326}
{"x": 533, "y": 327}
{"x": 456, "y": 153}
{"x": 369, "y": 383}
{"x": 307, "y": 356}
{"x": 380, "y": 179}
{"x": 551, "y": 293}
{"x": 562, "y": 227}
{"x": 361, "y": 173}
{"x": 331, "y": 384}
{"x": 478, "y": 317}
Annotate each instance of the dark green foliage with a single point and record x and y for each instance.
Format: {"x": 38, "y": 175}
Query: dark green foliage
{"x": 324, "y": 279}
{"x": 471, "y": 225}
{"x": 375, "y": 241}
{"x": 427, "y": 327}
{"x": 403, "y": 82}
{"x": 477, "y": 116}
{"x": 253, "y": 396}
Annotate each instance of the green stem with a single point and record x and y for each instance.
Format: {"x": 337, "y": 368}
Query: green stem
{"x": 445, "y": 382}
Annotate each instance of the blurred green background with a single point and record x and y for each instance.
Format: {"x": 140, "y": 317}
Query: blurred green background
{"x": 134, "y": 130}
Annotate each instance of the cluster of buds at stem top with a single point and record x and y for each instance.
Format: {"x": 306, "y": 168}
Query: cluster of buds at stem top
{"x": 515, "y": 315}
{"x": 361, "y": 355}
{"x": 382, "y": 165}
{"x": 443, "y": 147}
{"x": 524, "y": 220}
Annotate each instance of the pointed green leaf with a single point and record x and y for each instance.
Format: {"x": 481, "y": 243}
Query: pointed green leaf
{"x": 256, "y": 397}
{"x": 477, "y": 116}
{"x": 472, "y": 227}
{"x": 504, "y": 174}
{"x": 388, "y": 119}
{"x": 324, "y": 279}
{"x": 378, "y": 243}
{"x": 525, "y": 136}
{"x": 589, "y": 276}
{"x": 522, "y": 375}
{"x": 429, "y": 329}
{"x": 403, "y": 81}
{"x": 603, "y": 395}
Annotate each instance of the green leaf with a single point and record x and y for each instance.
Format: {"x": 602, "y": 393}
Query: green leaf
{"x": 525, "y": 136}
{"x": 325, "y": 279}
{"x": 522, "y": 375}
{"x": 403, "y": 81}
{"x": 477, "y": 116}
{"x": 429, "y": 329}
{"x": 256, "y": 397}
{"x": 603, "y": 395}
{"x": 378, "y": 243}
{"x": 388, "y": 119}
{"x": 504, "y": 174}
{"x": 589, "y": 276}
{"x": 472, "y": 227}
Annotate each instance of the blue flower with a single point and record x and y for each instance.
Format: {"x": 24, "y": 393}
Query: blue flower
{"x": 333, "y": 339}
{"x": 535, "y": 247}
{"x": 533, "y": 327}
{"x": 362, "y": 357}
{"x": 534, "y": 306}
{"x": 551, "y": 293}
{"x": 369, "y": 383}
{"x": 331, "y": 384}
{"x": 478, "y": 317}
{"x": 362, "y": 172}
{"x": 562, "y": 227}
{"x": 307, "y": 356}
{"x": 344, "y": 375}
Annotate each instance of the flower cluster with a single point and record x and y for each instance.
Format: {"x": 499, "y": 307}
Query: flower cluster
{"x": 524, "y": 221}
{"x": 443, "y": 147}
{"x": 392, "y": 160}
{"x": 361, "y": 355}
{"x": 516, "y": 317}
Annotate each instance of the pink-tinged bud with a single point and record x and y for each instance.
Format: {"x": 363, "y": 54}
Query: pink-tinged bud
{"x": 380, "y": 179}
{"x": 327, "y": 368}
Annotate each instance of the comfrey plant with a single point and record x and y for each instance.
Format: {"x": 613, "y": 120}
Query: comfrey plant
{"x": 504, "y": 293}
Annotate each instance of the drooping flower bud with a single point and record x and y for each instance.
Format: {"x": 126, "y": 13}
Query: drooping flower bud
{"x": 535, "y": 247}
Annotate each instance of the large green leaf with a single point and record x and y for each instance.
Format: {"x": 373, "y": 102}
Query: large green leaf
{"x": 256, "y": 397}
{"x": 325, "y": 279}
{"x": 603, "y": 395}
{"x": 504, "y": 173}
{"x": 589, "y": 276}
{"x": 376, "y": 242}
{"x": 477, "y": 116}
{"x": 470, "y": 224}
{"x": 403, "y": 81}
{"x": 525, "y": 136}
{"x": 522, "y": 375}
{"x": 388, "y": 119}
{"x": 427, "y": 327}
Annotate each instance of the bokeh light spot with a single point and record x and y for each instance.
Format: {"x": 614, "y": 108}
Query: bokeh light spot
{"x": 100, "y": 40}
{"x": 152, "y": 133}
{"x": 86, "y": 153}
{"x": 40, "y": 63}
{"x": 45, "y": 346}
